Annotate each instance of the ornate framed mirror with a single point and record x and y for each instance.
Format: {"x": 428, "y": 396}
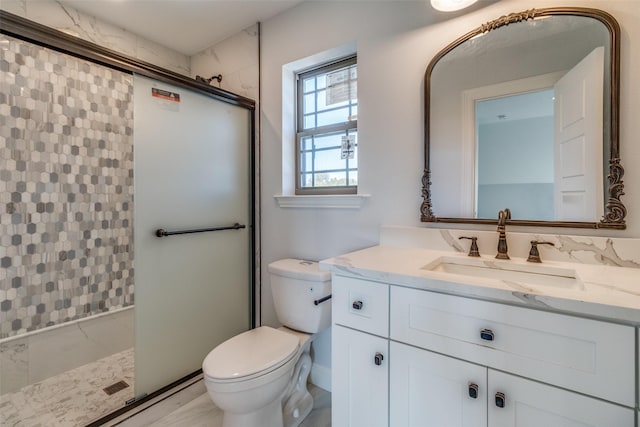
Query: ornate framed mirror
{"x": 522, "y": 113}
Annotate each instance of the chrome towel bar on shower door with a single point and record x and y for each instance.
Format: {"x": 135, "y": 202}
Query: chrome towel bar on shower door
{"x": 160, "y": 232}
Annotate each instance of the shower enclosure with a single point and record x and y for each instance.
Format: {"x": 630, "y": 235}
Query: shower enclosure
{"x": 97, "y": 153}
{"x": 191, "y": 172}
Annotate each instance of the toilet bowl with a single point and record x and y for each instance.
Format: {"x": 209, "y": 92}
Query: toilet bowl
{"x": 259, "y": 377}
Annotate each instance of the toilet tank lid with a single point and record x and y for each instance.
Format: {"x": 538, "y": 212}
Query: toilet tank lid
{"x": 299, "y": 269}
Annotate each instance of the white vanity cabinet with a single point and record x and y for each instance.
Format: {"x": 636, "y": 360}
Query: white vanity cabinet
{"x": 589, "y": 356}
{"x": 450, "y": 361}
{"x": 529, "y": 403}
{"x": 429, "y": 389}
{"x": 361, "y": 368}
{"x": 360, "y": 355}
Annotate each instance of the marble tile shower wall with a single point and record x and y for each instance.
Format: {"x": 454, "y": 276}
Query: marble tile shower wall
{"x": 66, "y": 188}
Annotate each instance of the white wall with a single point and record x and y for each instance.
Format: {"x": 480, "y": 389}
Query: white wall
{"x": 516, "y": 151}
{"x": 395, "y": 42}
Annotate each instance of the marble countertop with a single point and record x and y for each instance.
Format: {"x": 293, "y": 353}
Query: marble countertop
{"x": 601, "y": 291}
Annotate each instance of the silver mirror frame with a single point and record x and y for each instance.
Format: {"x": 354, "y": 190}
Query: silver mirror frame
{"x": 614, "y": 210}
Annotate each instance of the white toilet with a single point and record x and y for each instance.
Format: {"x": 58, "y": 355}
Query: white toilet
{"x": 259, "y": 378}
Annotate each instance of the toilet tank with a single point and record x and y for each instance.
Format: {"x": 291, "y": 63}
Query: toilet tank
{"x": 295, "y": 285}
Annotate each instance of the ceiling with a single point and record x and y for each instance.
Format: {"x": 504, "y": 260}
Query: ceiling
{"x": 187, "y": 26}
{"x": 515, "y": 107}
{"x": 190, "y": 26}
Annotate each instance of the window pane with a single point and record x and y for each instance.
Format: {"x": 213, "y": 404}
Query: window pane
{"x": 324, "y": 152}
{"x": 329, "y": 160}
{"x": 335, "y": 116}
{"x": 310, "y": 121}
{"x": 322, "y": 102}
{"x": 309, "y": 84}
{"x": 354, "y": 112}
{"x": 306, "y": 161}
{"x": 321, "y": 81}
{"x": 307, "y": 180}
{"x": 332, "y": 179}
{"x": 306, "y": 143}
{"x": 309, "y": 103}
{"x": 354, "y": 162}
{"x": 330, "y": 140}
{"x": 353, "y": 177}
{"x": 340, "y": 87}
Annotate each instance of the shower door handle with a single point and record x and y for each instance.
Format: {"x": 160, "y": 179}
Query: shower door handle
{"x": 161, "y": 232}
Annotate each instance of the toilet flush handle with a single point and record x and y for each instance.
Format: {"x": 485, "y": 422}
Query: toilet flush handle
{"x": 321, "y": 300}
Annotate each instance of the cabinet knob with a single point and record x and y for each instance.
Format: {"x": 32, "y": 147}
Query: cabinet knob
{"x": 500, "y": 400}
{"x": 486, "y": 334}
{"x": 378, "y": 358}
{"x": 357, "y": 305}
{"x": 473, "y": 390}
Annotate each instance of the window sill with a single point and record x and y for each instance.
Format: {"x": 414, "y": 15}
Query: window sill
{"x": 324, "y": 201}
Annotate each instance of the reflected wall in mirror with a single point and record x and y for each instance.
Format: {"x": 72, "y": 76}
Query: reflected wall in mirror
{"x": 522, "y": 112}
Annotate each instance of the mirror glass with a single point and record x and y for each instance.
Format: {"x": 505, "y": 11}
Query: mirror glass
{"x": 519, "y": 116}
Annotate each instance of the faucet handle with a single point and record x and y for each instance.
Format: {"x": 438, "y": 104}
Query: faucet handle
{"x": 534, "y": 255}
{"x": 473, "y": 249}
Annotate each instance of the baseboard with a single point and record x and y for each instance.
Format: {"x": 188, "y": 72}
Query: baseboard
{"x": 321, "y": 376}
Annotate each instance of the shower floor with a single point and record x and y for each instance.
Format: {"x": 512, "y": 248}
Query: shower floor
{"x": 73, "y": 398}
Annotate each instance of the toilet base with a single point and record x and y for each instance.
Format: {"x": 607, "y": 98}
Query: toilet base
{"x": 270, "y": 415}
{"x": 291, "y": 402}
{"x": 298, "y": 402}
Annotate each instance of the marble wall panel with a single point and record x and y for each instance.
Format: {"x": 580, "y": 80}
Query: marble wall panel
{"x": 62, "y": 17}
{"x": 612, "y": 251}
{"x": 14, "y": 365}
{"x": 236, "y": 58}
{"x": 33, "y": 357}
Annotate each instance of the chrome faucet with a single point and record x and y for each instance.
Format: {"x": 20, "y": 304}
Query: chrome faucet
{"x": 503, "y": 216}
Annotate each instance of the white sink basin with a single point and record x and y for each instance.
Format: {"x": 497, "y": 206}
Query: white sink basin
{"x": 510, "y": 271}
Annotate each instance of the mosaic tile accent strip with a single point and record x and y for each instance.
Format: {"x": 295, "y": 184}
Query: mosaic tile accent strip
{"x": 66, "y": 188}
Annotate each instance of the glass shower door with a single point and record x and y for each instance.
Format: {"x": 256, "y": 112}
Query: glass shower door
{"x": 192, "y": 171}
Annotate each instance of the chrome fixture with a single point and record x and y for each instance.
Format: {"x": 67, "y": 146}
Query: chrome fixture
{"x": 534, "y": 255}
{"x": 503, "y": 216}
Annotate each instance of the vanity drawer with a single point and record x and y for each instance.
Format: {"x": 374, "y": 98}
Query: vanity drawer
{"x": 590, "y": 356}
{"x": 360, "y": 304}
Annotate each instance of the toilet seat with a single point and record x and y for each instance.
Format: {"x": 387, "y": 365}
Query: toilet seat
{"x": 251, "y": 354}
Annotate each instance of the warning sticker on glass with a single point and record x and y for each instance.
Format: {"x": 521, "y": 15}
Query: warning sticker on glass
{"x": 166, "y": 99}
{"x": 348, "y": 147}
{"x": 341, "y": 86}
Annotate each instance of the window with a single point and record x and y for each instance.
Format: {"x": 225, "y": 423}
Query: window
{"x": 327, "y": 129}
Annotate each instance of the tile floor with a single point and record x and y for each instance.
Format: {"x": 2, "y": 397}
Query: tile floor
{"x": 76, "y": 398}
{"x": 192, "y": 407}
{"x": 71, "y": 399}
